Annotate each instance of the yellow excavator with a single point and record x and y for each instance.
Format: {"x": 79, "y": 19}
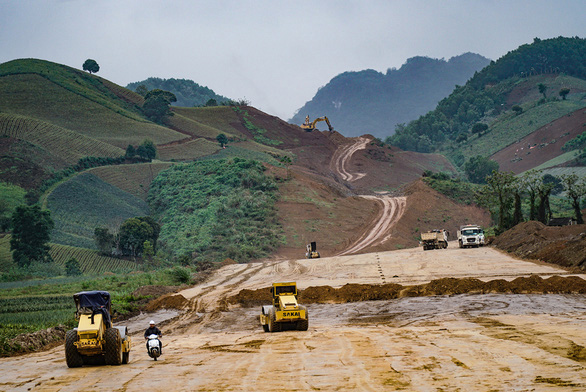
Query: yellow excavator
{"x": 310, "y": 126}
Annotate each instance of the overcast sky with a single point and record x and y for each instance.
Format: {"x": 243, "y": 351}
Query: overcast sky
{"x": 276, "y": 54}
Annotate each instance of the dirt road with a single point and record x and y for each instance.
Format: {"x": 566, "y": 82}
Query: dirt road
{"x": 490, "y": 342}
{"x": 391, "y": 210}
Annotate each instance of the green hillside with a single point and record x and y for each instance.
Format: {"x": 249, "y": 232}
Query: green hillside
{"x": 515, "y": 79}
{"x": 187, "y": 92}
{"x": 76, "y": 101}
{"x": 85, "y": 202}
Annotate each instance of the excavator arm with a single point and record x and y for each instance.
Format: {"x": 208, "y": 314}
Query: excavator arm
{"x": 310, "y": 127}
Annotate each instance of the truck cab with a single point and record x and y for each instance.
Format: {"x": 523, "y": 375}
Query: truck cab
{"x": 470, "y": 236}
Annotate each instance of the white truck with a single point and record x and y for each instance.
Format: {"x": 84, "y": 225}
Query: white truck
{"x": 470, "y": 235}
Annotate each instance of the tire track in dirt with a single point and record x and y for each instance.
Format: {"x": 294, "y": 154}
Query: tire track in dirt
{"x": 392, "y": 207}
{"x": 343, "y": 155}
{"x": 392, "y": 210}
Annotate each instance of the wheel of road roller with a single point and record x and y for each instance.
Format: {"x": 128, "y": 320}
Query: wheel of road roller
{"x": 303, "y": 325}
{"x": 72, "y": 357}
{"x": 113, "y": 347}
{"x": 274, "y": 326}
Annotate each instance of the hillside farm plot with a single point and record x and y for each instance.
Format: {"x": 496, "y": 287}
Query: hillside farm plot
{"x": 134, "y": 179}
{"x": 188, "y": 151}
{"x": 85, "y": 202}
{"x": 194, "y": 128}
{"x": 510, "y": 128}
{"x": 90, "y": 261}
{"x": 220, "y": 118}
{"x": 37, "y": 97}
{"x": 60, "y": 142}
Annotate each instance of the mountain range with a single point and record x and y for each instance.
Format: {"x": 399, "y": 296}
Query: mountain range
{"x": 370, "y": 102}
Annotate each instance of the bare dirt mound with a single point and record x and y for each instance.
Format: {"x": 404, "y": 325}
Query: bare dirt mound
{"x": 167, "y": 301}
{"x": 565, "y": 246}
{"x": 446, "y": 286}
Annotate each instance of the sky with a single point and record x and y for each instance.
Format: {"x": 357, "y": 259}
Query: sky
{"x": 275, "y": 54}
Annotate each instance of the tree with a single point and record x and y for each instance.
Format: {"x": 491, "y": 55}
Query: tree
{"x": 222, "y": 139}
{"x": 130, "y": 151}
{"x": 501, "y": 185}
{"x": 575, "y": 189}
{"x": 212, "y": 102}
{"x": 477, "y": 168}
{"x": 134, "y": 232}
{"x": 479, "y": 128}
{"x": 542, "y": 89}
{"x": 543, "y": 210}
{"x": 286, "y": 160}
{"x": 142, "y": 90}
{"x": 564, "y": 92}
{"x": 531, "y": 180}
{"x": 156, "y": 105}
{"x": 104, "y": 240}
{"x": 91, "y": 66}
{"x": 31, "y": 231}
{"x": 517, "y": 109}
{"x": 147, "y": 150}
{"x": 72, "y": 267}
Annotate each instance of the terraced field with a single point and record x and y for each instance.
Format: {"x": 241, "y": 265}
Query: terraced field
{"x": 85, "y": 202}
{"x": 63, "y": 143}
{"x": 28, "y": 95}
{"x": 134, "y": 179}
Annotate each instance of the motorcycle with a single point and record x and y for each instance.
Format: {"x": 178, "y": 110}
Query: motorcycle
{"x": 154, "y": 346}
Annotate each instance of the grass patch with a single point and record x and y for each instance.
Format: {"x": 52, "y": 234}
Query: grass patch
{"x": 217, "y": 209}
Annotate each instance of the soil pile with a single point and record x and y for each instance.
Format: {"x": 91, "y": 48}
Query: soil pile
{"x": 446, "y": 286}
{"x": 168, "y": 301}
{"x": 565, "y": 246}
{"x": 29, "y": 342}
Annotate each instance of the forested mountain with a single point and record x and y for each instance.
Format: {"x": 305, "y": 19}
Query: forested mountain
{"x": 543, "y": 74}
{"x": 371, "y": 102}
{"x": 188, "y": 92}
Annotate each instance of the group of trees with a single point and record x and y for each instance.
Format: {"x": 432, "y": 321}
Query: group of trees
{"x": 147, "y": 150}
{"x": 136, "y": 237}
{"x": 187, "y": 92}
{"x": 503, "y": 195}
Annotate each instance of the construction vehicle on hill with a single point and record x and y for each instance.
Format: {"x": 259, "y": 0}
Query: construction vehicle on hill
{"x": 434, "y": 239}
{"x": 310, "y": 126}
{"x": 285, "y": 312}
{"x": 312, "y": 252}
{"x": 470, "y": 235}
{"x": 95, "y": 340}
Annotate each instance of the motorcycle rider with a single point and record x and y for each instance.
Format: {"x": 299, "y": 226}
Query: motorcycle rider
{"x": 153, "y": 330}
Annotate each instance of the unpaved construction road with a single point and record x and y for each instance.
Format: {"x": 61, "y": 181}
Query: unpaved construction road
{"x": 491, "y": 342}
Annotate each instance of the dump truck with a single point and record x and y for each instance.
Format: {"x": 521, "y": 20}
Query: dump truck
{"x": 470, "y": 236}
{"x": 285, "y": 312}
{"x": 311, "y": 251}
{"x": 434, "y": 239}
{"x": 95, "y": 340}
{"x": 310, "y": 126}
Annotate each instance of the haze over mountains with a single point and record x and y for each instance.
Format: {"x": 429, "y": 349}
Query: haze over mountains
{"x": 370, "y": 102}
